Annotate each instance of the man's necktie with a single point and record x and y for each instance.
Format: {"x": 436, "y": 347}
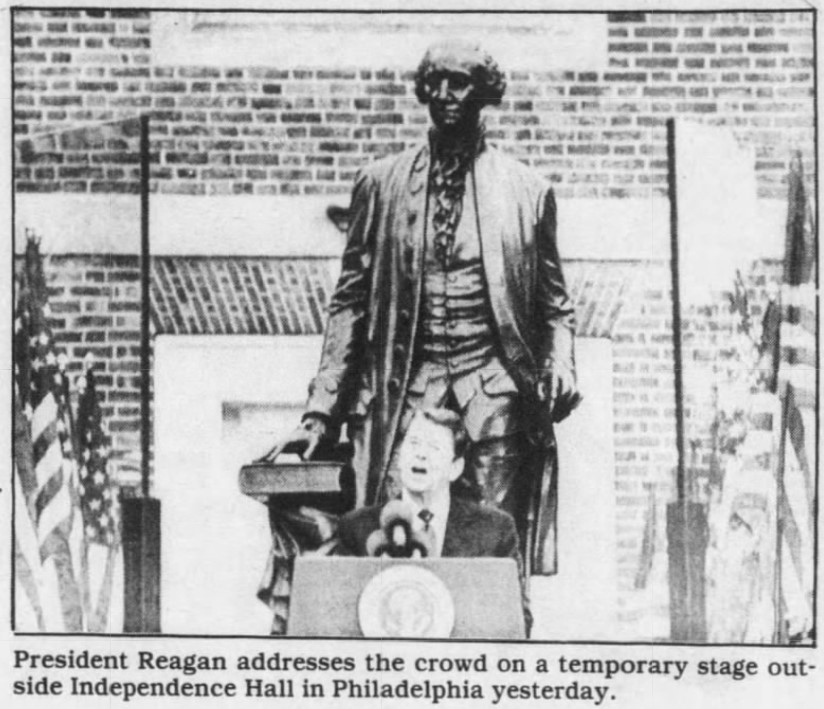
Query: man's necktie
{"x": 426, "y": 516}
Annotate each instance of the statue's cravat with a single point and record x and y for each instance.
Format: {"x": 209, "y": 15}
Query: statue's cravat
{"x": 451, "y": 161}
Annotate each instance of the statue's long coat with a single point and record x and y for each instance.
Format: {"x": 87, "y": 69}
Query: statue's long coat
{"x": 374, "y": 312}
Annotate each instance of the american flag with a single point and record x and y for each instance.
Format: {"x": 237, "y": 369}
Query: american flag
{"x": 797, "y": 453}
{"x": 44, "y": 451}
{"x": 97, "y": 493}
{"x": 98, "y": 507}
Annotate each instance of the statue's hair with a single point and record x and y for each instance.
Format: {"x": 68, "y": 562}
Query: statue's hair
{"x": 486, "y": 75}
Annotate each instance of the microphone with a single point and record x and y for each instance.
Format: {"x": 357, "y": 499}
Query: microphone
{"x": 396, "y": 522}
{"x": 397, "y": 511}
{"x": 397, "y": 537}
{"x": 376, "y": 543}
{"x": 422, "y": 544}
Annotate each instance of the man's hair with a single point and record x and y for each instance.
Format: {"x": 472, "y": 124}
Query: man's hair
{"x": 452, "y": 421}
{"x": 484, "y": 71}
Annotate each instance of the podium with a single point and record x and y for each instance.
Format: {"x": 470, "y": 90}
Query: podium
{"x": 337, "y": 596}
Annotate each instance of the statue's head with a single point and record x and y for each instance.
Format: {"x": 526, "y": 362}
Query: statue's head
{"x": 456, "y": 79}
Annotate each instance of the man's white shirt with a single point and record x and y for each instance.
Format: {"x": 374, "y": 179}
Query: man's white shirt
{"x": 437, "y": 524}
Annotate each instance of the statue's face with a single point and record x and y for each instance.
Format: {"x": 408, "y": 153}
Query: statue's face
{"x": 451, "y": 104}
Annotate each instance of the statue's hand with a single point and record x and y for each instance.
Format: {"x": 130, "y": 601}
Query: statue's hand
{"x": 304, "y": 440}
{"x": 560, "y": 393}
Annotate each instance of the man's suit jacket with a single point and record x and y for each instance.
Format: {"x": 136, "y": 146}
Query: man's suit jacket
{"x": 369, "y": 343}
{"x": 471, "y": 530}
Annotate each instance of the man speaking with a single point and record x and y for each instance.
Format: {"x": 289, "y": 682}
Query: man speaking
{"x": 451, "y": 295}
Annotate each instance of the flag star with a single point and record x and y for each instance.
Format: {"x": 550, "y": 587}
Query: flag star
{"x": 107, "y": 494}
{"x": 43, "y": 339}
{"x": 99, "y": 477}
{"x": 94, "y": 505}
{"x": 91, "y": 532}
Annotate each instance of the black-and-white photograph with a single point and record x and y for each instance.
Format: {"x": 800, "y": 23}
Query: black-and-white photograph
{"x": 475, "y": 325}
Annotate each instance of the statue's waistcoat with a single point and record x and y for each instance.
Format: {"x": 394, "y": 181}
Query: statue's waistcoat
{"x": 457, "y": 359}
{"x": 455, "y": 319}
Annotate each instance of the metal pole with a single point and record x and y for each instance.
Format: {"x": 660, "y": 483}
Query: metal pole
{"x": 145, "y": 309}
{"x": 686, "y": 520}
{"x": 677, "y": 354}
{"x": 141, "y": 515}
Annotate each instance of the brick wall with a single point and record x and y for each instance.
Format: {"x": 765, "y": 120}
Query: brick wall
{"x": 73, "y": 68}
{"x": 284, "y": 130}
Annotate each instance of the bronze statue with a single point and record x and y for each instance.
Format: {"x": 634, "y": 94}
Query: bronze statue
{"x": 451, "y": 295}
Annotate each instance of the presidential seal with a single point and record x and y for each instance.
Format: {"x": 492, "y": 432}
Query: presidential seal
{"x": 406, "y": 601}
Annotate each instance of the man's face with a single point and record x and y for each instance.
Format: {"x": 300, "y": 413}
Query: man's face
{"x": 452, "y": 104}
{"x": 427, "y": 457}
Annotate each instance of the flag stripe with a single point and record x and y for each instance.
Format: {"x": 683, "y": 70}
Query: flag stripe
{"x": 26, "y": 546}
{"x": 799, "y": 296}
{"x": 69, "y": 591}
{"x": 24, "y": 576}
{"x": 801, "y": 316}
{"x": 56, "y": 515}
{"x": 792, "y": 535}
{"x": 48, "y": 493}
{"x": 23, "y": 459}
{"x": 44, "y": 439}
{"x": 798, "y": 355}
{"x": 799, "y": 377}
{"x": 48, "y": 466}
{"x": 43, "y": 416}
{"x": 794, "y": 335}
